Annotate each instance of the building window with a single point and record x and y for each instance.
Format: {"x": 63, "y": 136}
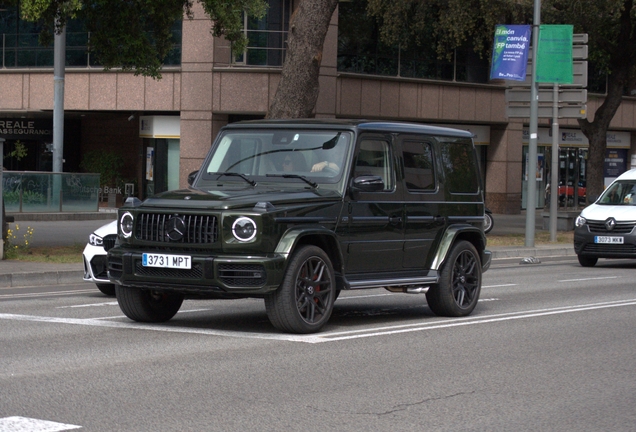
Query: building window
{"x": 21, "y": 48}
{"x": 267, "y": 37}
{"x": 360, "y": 51}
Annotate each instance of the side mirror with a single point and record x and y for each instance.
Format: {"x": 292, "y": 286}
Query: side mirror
{"x": 192, "y": 176}
{"x": 367, "y": 183}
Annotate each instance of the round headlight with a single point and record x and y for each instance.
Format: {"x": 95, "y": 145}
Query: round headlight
{"x": 580, "y": 221}
{"x": 126, "y": 224}
{"x": 244, "y": 229}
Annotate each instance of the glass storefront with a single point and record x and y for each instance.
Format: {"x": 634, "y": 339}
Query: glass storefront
{"x": 573, "y": 156}
{"x": 572, "y": 177}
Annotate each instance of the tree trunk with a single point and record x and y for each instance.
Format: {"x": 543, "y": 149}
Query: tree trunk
{"x": 298, "y": 88}
{"x": 621, "y": 63}
{"x": 596, "y": 133}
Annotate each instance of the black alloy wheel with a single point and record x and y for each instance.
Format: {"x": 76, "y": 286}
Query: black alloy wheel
{"x": 304, "y": 301}
{"x": 459, "y": 286}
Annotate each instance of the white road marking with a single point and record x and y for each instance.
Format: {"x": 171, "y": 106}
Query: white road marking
{"x": 353, "y": 296}
{"x": 498, "y": 286}
{"x": 89, "y": 305}
{"x": 329, "y": 336}
{"x": 47, "y": 294}
{"x": 24, "y": 424}
{"x": 587, "y": 279}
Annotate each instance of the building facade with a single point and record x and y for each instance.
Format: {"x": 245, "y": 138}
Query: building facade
{"x": 163, "y": 128}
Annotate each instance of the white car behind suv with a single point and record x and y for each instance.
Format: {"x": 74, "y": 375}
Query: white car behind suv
{"x": 605, "y": 229}
{"x": 95, "y": 257}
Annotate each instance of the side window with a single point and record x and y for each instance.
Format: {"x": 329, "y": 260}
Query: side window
{"x": 374, "y": 158}
{"x": 460, "y": 167}
{"x": 419, "y": 170}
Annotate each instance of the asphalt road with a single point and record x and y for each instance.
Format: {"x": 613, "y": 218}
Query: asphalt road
{"x": 549, "y": 347}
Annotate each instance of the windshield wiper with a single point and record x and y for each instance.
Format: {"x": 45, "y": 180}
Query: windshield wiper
{"x": 305, "y": 179}
{"x": 233, "y": 174}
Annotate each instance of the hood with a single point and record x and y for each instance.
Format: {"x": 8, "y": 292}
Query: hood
{"x": 234, "y": 198}
{"x": 109, "y": 228}
{"x": 622, "y": 213}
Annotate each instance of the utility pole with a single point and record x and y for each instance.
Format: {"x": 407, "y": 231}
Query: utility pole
{"x": 59, "y": 64}
{"x": 534, "y": 127}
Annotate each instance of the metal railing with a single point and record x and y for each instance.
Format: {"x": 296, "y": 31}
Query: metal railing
{"x": 45, "y": 192}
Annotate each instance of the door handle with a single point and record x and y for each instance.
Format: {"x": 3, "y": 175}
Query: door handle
{"x": 439, "y": 220}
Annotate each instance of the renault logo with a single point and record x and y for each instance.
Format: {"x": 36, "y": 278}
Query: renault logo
{"x": 175, "y": 228}
{"x": 610, "y": 224}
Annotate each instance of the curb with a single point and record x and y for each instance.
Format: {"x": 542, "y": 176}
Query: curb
{"x": 533, "y": 252}
{"x": 60, "y": 277}
{"x": 71, "y": 277}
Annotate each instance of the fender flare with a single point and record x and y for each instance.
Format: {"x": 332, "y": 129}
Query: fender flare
{"x": 448, "y": 239}
{"x": 290, "y": 239}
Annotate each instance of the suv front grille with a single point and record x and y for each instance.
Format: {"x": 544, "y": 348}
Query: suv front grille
{"x": 199, "y": 229}
{"x": 598, "y": 227}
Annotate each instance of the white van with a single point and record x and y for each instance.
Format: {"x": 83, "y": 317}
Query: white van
{"x": 605, "y": 229}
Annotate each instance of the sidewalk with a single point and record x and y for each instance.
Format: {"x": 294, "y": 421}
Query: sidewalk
{"x": 24, "y": 274}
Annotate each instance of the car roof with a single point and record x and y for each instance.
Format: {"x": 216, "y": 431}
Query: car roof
{"x": 628, "y": 175}
{"x": 360, "y": 125}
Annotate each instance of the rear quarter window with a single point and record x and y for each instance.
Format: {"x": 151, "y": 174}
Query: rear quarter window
{"x": 459, "y": 165}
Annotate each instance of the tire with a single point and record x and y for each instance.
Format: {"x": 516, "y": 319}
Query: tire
{"x": 459, "y": 286}
{"x": 108, "y": 289}
{"x": 304, "y": 301}
{"x": 488, "y": 223}
{"x": 587, "y": 261}
{"x": 147, "y": 305}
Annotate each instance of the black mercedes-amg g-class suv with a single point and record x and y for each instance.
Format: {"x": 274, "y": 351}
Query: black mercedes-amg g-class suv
{"x": 296, "y": 211}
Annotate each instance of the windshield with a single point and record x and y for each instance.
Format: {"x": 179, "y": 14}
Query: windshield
{"x": 620, "y": 193}
{"x": 298, "y": 157}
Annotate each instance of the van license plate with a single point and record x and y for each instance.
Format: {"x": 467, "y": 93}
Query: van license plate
{"x": 608, "y": 239}
{"x": 166, "y": 261}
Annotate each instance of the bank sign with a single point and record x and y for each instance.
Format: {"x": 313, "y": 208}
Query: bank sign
{"x": 510, "y": 52}
{"x": 25, "y": 129}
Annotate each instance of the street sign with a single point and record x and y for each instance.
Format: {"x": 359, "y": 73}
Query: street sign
{"x": 566, "y": 95}
{"x": 579, "y": 52}
{"x": 545, "y": 111}
{"x": 579, "y": 70}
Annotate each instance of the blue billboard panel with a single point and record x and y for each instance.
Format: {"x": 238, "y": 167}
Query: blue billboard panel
{"x": 510, "y": 52}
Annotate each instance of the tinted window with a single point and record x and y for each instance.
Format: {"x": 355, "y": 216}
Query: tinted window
{"x": 374, "y": 158}
{"x": 418, "y": 166}
{"x": 460, "y": 167}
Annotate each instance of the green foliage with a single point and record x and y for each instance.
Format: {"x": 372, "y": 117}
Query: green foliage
{"x": 446, "y": 24}
{"x": 107, "y": 163}
{"x": 136, "y": 35}
{"x": 17, "y": 242}
{"x": 228, "y": 18}
{"x": 19, "y": 151}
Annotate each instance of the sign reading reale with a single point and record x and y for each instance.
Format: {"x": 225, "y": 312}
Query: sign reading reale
{"x": 26, "y": 128}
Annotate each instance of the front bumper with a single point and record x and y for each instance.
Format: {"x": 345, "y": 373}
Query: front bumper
{"x": 585, "y": 245}
{"x": 213, "y": 275}
{"x": 95, "y": 264}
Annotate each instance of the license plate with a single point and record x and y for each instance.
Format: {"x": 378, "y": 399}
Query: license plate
{"x": 166, "y": 261}
{"x": 608, "y": 239}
